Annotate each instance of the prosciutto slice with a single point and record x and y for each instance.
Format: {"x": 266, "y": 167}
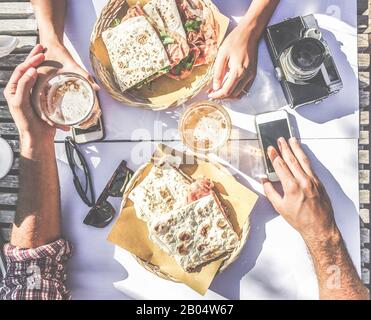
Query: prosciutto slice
{"x": 202, "y": 33}
{"x": 200, "y": 188}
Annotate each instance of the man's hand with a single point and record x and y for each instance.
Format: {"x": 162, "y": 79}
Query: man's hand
{"x": 305, "y": 204}
{"x": 236, "y": 64}
{"x": 17, "y": 93}
{"x": 59, "y": 60}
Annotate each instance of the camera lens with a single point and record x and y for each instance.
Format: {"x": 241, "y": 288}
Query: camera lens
{"x": 308, "y": 54}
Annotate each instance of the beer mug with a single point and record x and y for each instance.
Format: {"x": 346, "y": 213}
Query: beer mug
{"x": 67, "y": 99}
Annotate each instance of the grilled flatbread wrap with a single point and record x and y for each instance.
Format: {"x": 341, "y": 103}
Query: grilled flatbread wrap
{"x": 174, "y": 41}
{"x": 135, "y": 51}
{"x": 164, "y": 189}
{"x": 166, "y": 15}
{"x": 195, "y": 234}
{"x": 202, "y": 31}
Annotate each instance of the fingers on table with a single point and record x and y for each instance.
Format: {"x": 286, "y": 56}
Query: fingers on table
{"x": 228, "y": 86}
{"x": 244, "y": 85}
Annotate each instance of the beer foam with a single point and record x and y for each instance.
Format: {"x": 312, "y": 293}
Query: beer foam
{"x": 70, "y": 100}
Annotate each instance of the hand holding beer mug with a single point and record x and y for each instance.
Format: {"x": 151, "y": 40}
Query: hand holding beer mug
{"x": 67, "y": 100}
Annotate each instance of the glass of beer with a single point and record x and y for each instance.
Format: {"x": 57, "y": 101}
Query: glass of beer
{"x": 205, "y": 127}
{"x": 68, "y": 99}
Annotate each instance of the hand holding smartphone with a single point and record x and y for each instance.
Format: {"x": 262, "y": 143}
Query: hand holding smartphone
{"x": 271, "y": 126}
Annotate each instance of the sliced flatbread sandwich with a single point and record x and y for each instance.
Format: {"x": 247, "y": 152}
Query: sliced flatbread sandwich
{"x": 135, "y": 51}
{"x": 164, "y": 189}
{"x": 195, "y": 234}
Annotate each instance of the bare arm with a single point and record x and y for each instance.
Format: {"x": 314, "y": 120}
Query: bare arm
{"x": 258, "y": 16}
{"x": 37, "y": 219}
{"x": 238, "y": 54}
{"x": 337, "y": 277}
{"x": 50, "y": 20}
{"x": 306, "y": 206}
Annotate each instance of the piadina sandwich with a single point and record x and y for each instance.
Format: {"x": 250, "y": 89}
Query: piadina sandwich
{"x": 163, "y": 37}
{"x": 184, "y": 217}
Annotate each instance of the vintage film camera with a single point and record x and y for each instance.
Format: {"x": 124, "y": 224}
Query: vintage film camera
{"x": 303, "y": 61}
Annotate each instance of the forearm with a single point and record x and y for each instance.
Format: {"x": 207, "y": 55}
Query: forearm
{"x": 337, "y": 276}
{"x": 37, "y": 219}
{"x": 50, "y": 19}
{"x": 258, "y": 16}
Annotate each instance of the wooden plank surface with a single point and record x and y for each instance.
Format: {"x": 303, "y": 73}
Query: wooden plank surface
{"x": 5, "y": 233}
{"x": 18, "y": 27}
{"x": 25, "y": 44}
{"x": 9, "y": 199}
{"x": 14, "y": 144}
{"x": 4, "y": 113}
{"x": 4, "y": 77}
{"x": 11, "y": 61}
{"x": 2, "y": 97}
{"x": 8, "y": 129}
{"x": 10, "y": 182}
{"x": 7, "y": 216}
{"x": 11, "y": 10}
{"x": 15, "y": 165}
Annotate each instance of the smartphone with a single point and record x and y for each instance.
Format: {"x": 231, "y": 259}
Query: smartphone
{"x": 94, "y": 133}
{"x": 271, "y": 126}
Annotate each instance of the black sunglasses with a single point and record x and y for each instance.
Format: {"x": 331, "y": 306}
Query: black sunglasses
{"x": 83, "y": 184}
{"x": 102, "y": 212}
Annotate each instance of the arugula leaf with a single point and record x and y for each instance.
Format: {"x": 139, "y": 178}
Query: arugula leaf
{"x": 192, "y": 25}
{"x": 116, "y": 22}
{"x": 187, "y": 63}
{"x": 165, "y": 70}
{"x": 166, "y": 39}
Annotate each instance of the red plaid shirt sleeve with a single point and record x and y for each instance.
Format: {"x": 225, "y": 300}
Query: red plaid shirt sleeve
{"x": 36, "y": 274}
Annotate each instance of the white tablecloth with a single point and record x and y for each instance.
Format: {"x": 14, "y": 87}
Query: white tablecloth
{"x": 337, "y": 117}
{"x": 274, "y": 263}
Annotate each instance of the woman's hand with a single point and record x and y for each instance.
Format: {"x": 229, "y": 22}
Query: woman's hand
{"x": 58, "y": 58}
{"x": 236, "y": 64}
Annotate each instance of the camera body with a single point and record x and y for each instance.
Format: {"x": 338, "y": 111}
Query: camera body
{"x": 303, "y": 61}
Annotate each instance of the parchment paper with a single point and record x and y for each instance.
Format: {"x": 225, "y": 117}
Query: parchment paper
{"x": 130, "y": 233}
{"x": 165, "y": 91}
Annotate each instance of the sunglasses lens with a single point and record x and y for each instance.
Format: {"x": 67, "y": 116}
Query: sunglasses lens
{"x": 116, "y": 189}
{"x": 81, "y": 175}
{"x": 101, "y": 215}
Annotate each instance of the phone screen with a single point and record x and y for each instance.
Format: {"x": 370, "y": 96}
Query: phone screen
{"x": 270, "y": 132}
{"x": 94, "y": 128}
